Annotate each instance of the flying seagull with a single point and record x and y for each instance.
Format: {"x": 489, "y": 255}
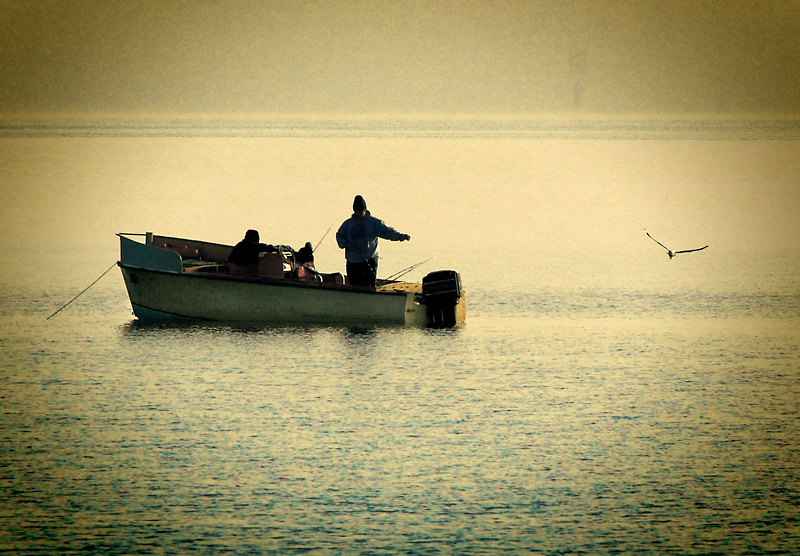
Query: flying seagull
{"x": 670, "y": 252}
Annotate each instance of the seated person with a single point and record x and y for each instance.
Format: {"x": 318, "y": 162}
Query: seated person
{"x": 305, "y": 256}
{"x": 246, "y": 251}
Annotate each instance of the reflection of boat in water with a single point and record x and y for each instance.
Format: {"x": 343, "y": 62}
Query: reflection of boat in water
{"x": 172, "y": 278}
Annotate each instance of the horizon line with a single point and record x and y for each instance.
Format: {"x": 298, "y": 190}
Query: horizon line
{"x": 399, "y": 116}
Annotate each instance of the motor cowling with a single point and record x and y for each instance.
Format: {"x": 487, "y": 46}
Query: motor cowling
{"x": 441, "y": 291}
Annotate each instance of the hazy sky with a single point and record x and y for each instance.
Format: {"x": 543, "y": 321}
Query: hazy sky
{"x": 409, "y": 56}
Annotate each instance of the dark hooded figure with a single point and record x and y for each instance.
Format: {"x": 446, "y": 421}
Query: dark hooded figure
{"x": 247, "y": 250}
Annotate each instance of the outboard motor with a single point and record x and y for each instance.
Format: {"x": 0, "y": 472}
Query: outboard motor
{"x": 441, "y": 291}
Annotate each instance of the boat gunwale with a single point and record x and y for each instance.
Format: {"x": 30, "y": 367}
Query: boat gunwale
{"x": 268, "y": 281}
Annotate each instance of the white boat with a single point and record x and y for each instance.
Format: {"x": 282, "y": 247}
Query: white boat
{"x": 170, "y": 278}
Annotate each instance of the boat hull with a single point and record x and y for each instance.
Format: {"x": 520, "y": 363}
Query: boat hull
{"x": 159, "y": 295}
{"x": 163, "y": 286}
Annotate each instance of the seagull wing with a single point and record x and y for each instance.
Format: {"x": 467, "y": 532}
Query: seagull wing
{"x": 661, "y": 244}
{"x": 690, "y": 250}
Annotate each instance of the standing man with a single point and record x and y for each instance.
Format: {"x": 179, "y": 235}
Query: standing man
{"x": 358, "y": 236}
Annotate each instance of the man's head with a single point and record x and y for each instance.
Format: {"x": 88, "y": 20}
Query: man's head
{"x": 359, "y": 206}
{"x": 251, "y": 235}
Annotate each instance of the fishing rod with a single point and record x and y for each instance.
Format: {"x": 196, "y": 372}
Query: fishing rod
{"x": 405, "y": 271}
{"x": 84, "y": 291}
{"x": 323, "y": 237}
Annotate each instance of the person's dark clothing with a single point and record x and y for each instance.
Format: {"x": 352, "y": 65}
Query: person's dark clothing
{"x": 364, "y": 273}
{"x": 246, "y": 252}
{"x": 305, "y": 255}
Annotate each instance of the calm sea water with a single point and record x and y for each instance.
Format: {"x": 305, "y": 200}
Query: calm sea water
{"x": 601, "y": 399}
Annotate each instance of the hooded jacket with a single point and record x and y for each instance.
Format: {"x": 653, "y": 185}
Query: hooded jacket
{"x": 362, "y": 234}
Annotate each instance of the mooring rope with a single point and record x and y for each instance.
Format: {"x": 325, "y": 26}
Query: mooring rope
{"x": 84, "y": 291}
